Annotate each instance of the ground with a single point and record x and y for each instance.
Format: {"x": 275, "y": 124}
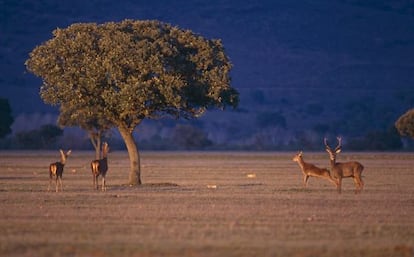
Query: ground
{"x": 206, "y": 204}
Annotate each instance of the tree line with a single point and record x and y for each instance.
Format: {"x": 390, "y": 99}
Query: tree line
{"x": 115, "y": 75}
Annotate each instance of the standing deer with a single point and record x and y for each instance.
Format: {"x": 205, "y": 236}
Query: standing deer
{"x": 56, "y": 170}
{"x": 100, "y": 167}
{"x": 310, "y": 170}
{"x": 346, "y": 169}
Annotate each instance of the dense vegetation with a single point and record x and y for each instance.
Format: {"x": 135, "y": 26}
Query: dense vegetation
{"x": 6, "y": 118}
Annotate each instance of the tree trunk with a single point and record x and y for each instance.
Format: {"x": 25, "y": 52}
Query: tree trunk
{"x": 135, "y": 172}
{"x": 96, "y": 142}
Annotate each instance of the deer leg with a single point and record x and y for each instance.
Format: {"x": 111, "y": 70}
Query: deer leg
{"x": 356, "y": 185}
{"x": 50, "y": 183}
{"x": 333, "y": 181}
{"x": 359, "y": 184}
{"x": 339, "y": 185}
{"x": 103, "y": 184}
{"x": 97, "y": 182}
{"x": 93, "y": 178}
{"x": 61, "y": 183}
{"x": 305, "y": 180}
{"x": 57, "y": 184}
{"x": 338, "y": 180}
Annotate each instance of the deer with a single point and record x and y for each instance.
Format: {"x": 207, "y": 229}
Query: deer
{"x": 56, "y": 170}
{"x": 100, "y": 167}
{"x": 340, "y": 170}
{"x": 310, "y": 170}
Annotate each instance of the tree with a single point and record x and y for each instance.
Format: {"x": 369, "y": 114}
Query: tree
{"x": 405, "y": 124}
{"x": 378, "y": 140}
{"x": 45, "y": 137}
{"x": 190, "y": 137}
{"x": 88, "y": 120}
{"x": 6, "y": 119}
{"x": 121, "y": 73}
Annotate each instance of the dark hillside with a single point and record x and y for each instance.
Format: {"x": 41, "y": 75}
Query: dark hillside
{"x": 313, "y": 62}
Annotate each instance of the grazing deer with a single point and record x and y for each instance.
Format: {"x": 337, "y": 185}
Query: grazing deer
{"x": 310, "y": 170}
{"x": 56, "y": 170}
{"x": 346, "y": 169}
{"x": 100, "y": 167}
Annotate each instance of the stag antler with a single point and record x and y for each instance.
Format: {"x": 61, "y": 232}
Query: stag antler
{"x": 339, "y": 144}
{"x": 325, "y": 140}
{"x": 337, "y": 148}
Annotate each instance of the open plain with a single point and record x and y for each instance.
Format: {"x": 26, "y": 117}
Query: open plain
{"x": 206, "y": 204}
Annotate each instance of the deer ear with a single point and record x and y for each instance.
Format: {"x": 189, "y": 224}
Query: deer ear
{"x": 338, "y": 150}
{"x": 68, "y": 152}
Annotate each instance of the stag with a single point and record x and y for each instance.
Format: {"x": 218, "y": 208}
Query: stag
{"x": 342, "y": 170}
{"x": 100, "y": 167}
{"x": 56, "y": 170}
{"x": 310, "y": 170}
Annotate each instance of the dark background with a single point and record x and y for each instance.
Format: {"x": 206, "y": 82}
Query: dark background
{"x": 304, "y": 69}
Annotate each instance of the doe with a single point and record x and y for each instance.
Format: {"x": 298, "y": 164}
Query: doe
{"x": 56, "y": 170}
{"x": 310, "y": 170}
{"x": 100, "y": 167}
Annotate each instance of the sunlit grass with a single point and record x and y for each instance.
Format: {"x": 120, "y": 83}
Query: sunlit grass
{"x": 205, "y": 204}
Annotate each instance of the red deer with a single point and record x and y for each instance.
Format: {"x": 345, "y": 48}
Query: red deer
{"x": 56, "y": 170}
{"x": 100, "y": 167}
{"x": 346, "y": 169}
{"x": 310, "y": 170}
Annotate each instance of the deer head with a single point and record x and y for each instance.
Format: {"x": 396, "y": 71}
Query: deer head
{"x": 333, "y": 153}
{"x": 297, "y": 156}
{"x": 64, "y": 155}
{"x": 105, "y": 149}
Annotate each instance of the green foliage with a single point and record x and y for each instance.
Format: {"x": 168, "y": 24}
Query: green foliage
{"x": 6, "y": 119}
{"x": 405, "y": 124}
{"x": 44, "y": 138}
{"x": 377, "y": 140}
{"x": 116, "y": 74}
{"x": 190, "y": 137}
{"x": 271, "y": 119}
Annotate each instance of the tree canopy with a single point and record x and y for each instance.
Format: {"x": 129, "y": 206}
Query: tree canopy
{"x": 118, "y": 73}
{"x": 405, "y": 124}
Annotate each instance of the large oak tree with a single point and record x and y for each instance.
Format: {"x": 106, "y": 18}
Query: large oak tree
{"x": 118, "y": 73}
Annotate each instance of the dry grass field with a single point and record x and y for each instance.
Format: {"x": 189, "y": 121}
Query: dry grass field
{"x": 206, "y": 204}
